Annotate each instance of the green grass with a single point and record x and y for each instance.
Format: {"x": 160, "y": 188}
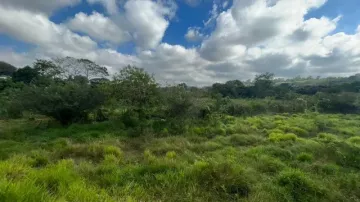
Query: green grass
{"x": 300, "y": 157}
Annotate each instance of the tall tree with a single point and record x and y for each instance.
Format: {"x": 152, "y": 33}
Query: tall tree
{"x": 136, "y": 87}
{"x": 25, "y": 75}
{"x": 264, "y": 85}
{"x": 70, "y": 67}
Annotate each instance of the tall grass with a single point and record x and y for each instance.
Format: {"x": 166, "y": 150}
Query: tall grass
{"x": 301, "y": 157}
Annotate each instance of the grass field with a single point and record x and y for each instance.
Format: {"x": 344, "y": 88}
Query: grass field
{"x": 301, "y": 157}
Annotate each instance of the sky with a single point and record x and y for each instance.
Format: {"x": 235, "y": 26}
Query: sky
{"x": 199, "y": 42}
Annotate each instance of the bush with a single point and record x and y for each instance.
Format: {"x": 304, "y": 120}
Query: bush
{"x": 245, "y": 140}
{"x": 225, "y": 179}
{"x": 178, "y": 102}
{"x": 269, "y": 165}
{"x": 354, "y": 140}
{"x": 327, "y": 137}
{"x": 300, "y": 187}
{"x": 68, "y": 103}
{"x": 305, "y": 157}
{"x": 14, "y": 110}
{"x": 278, "y": 137}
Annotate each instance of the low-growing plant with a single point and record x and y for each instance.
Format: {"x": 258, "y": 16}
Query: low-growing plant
{"x": 305, "y": 157}
{"x": 327, "y": 137}
{"x": 300, "y": 187}
{"x": 278, "y": 137}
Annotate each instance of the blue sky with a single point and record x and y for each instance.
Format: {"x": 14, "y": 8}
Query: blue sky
{"x": 172, "y": 39}
{"x": 349, "y": 9}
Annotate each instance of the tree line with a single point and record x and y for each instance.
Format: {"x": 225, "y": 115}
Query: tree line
{"x": 72, "y": 90}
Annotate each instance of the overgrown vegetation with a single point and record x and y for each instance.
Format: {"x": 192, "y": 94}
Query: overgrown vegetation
{"x": 69, "y": 134}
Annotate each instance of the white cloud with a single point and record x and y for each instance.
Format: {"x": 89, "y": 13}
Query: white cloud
{"x": 225, "y": 4}
{"x": 35, "y": 28}
{"x": 148, "y": 26}
{"x": 250, "y": 37}
{"x": 145, "y": 28}
{"x": 175, "y": 64}
{"x": 259, "y": 35}
{"x": 110, "y": 5}
{"x": 213, "y": 15}
{"x": 17, "y": 59}
{"x": 194, "y": 34}
{"x": 193, "y": 3}
{"x": 45, "y": 6}
{"x": 99, "y": 27}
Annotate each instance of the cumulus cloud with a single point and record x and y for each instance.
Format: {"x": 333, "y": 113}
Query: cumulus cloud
{"x": 37, "y": 29}
{"x": 44, "y": 6}
{"x": 148, "y": 26}
{"x": 189, "y": 66}
{"x": 259, "y": 36}
{"x": 144, "y": 21}
{"x": 194, "y": 34}
{"x": 17, "y": 59}
{"x": 250, "y": 37}
{"x": 99, "y": 27}
{"x": 110, "y": 5}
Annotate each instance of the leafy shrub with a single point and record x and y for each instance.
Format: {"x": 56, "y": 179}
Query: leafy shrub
{"x": 298, "y": 131}
{"x": 327, "y": 169}
{"x": 346, "y": 155}
{"x": 278, "y": 137}
{"x": 305, "y": 157}
{"x": 244, "y": 140}
{"x": 270, "y": 165}
{"x": 354, "y": 140}
{"x": 68, "y": 103}
{"x": 130, "y": 119}
{"x": 178, "y": 102}
{"x": 272, "y": 150}
{"x": 14, "y": 110}
{"x": 327, "y": 137}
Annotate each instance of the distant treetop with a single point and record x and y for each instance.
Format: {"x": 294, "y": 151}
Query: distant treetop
{"x": 6, "y": 69}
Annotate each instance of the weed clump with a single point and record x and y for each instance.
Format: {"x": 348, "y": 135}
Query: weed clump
{"x": 269, "y": 165}
{"x": 278, "y": 137}
{"x": 305, "y": 157}
{"x": 95, "y": 152}
{"x": 354, "y": 140}
{"x": 225, "y": 179}
{"x": 327, "y": 137}
{"x": 245, "y": 140}
{"x": 300, "y": 187}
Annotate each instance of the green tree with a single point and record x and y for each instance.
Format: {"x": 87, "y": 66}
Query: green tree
{"x": 264, "y": 84}
{"x": 48, "y": 68}
{"x": 136, "y": 88}
{"x": 68, "y": 102}
{"x": 233, "y": 89}
{"x": 25, "y": 75}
